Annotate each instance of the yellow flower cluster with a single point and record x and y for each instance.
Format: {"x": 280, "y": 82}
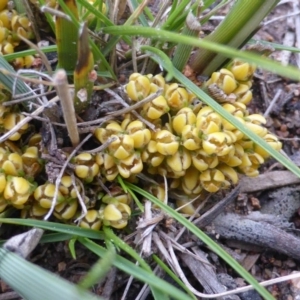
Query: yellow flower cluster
{"x": 17, "y": 173}
{"x": 9, "y": 118}
{"x": 11, "y": 25}
{"x": 192, "y": 145}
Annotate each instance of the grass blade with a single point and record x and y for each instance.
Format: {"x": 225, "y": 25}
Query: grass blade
{"x": 20, "y": 274}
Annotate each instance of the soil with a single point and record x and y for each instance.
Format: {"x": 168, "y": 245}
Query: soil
{"x": 258, "y": 257}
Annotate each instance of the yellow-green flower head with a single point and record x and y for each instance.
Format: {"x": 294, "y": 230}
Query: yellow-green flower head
{"x": 116, "y": 215}
{"x": 243, "y": 94}
{"x": 177, "y": 97}
{"x": 138, "y": 87}
{"x": 209, "y": 124}
{"x": 242, "y": 71}
{"x": 130, "y": 166}
{"x": 224, "y": 79}
{"x": 91, "y": 220}
{"x": 159, "y": 80}
{"x": 191, "y": 137}
{"x": 202, "y": 161}
{"x": 212, "y": 180}
{"x": 165, "y": 170}
{"x": 156, "y": 108}
{"x": 10, "y": 121}
{"x": 113, "y": 128}
{"x": 166, "y": 142}
{"x": 184, "y": 116}
{"x": 110, "y": 170}
{"x": 180, "y": 161}
{"x": 67, "y": 188}
{"x": 122, "y": 147}
{"x": 11, "y": 164}
{"x": 273, "y": 141}
{"x": 229, "y": 173}
{"x": 218, "y": 143}
{"x": 255, "y": 123}
{"x": 17, "y": 190}
{"x": 44, "y": 194}
{"x": 86, "y": 166}
{"x": 190, "y": 182}
{"x": 233, "y": 158}
{"x": 66, "y": 210}
{"x": 153, "y": 159}
{"x": 31, "y": 161}
{"x": 139, "y": 133}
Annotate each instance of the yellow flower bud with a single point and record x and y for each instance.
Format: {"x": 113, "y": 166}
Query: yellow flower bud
{"x": 166, "y": 142}
{"x": 131, "y": 165}
{"x": 139, "y": 133}
{"x": 176, "y": 96}
{"x": 31, "y": 161}
{"x": 102, "y": 134}
{"x": 85, "y": 166}
{"x": 229, "y": 173}
{"x": 138, "y": 87}
{"x": 66, "y": 210}
{"x": 212, "y": 180}
{"x": 190, "y": 183}
{"x": 116, "y": 215}
{"x": 273, "y": 141}
{"x": 10, "y": 121}
{"x": 243, "y": 94}
{"x": 153, "y": 159}
{"x": 91, "y": 220}
{"x": 181, "y": 160}
{"x": 202, "y": 161}
{"x": 17, "y": 190}
{"x": 12, "y": 164}
{"x": 159, "y": 81}
{"x": 110, "y": 168}
{"x": 156, "y": 108}
{"x": 44, "y": 195}
{"x": 217, "y": 143}
{"x": 184, "y": 116}
{"x": 224, "y": 79}
{"x": 121, "y": 147}
{"x": 190, "y": 137}
{"x": 242, "y": 71}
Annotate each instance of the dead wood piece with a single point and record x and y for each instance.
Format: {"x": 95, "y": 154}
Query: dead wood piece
{"x": 283, "y": 202}
{"x": 232, "y": 226}
{"x": 205, "y": 274}
{"x": 268, "y": 181}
